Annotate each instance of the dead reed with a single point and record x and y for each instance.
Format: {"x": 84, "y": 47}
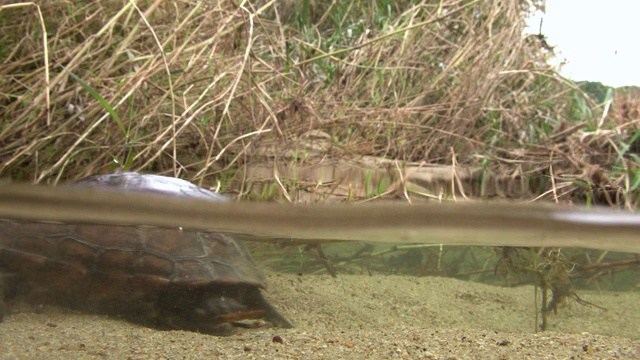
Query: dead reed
{"x": 201, "y": 89}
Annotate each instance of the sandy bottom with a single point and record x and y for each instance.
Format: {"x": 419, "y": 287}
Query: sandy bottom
{"x": 354, "y": 317}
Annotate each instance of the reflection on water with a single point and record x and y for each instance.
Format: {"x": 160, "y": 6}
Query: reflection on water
{"x": 461, "y": 223}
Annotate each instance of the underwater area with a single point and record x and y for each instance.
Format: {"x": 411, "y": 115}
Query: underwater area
{"x": 420, "y": 300}
{"x": 343, "y": 298}
{"x": 490, "y": 288}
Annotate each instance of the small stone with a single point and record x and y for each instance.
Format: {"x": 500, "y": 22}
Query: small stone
{"x": 278, "y": 339}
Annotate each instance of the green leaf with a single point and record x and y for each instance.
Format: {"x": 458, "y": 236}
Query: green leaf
{"x": 100, "y": 99}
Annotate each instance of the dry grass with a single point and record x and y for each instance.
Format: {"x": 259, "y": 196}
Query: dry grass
{"x": 202, "y": 87}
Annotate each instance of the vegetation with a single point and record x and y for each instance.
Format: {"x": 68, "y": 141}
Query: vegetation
{"x": 208, "y": 90}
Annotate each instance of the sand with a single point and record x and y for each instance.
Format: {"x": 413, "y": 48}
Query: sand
{"x": 353, "y": 317}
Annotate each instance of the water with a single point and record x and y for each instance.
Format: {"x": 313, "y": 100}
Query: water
{"x": 602, "y": 284}
{"x": 348, "y": 287}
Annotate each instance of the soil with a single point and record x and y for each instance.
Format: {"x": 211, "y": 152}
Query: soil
{"x": 354, "y": 317}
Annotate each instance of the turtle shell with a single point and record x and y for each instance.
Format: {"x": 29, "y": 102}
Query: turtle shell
{"x": 163, "y": 277}
{"x": 135, "y": 182}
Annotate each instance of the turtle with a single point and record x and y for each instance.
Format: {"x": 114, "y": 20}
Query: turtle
{"x": 167, "y": 278}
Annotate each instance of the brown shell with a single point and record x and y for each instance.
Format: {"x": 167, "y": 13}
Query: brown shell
{"x": 148, "y": 257}
{"x": 165, "y": 277}
{"x": 109, "y": 261}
